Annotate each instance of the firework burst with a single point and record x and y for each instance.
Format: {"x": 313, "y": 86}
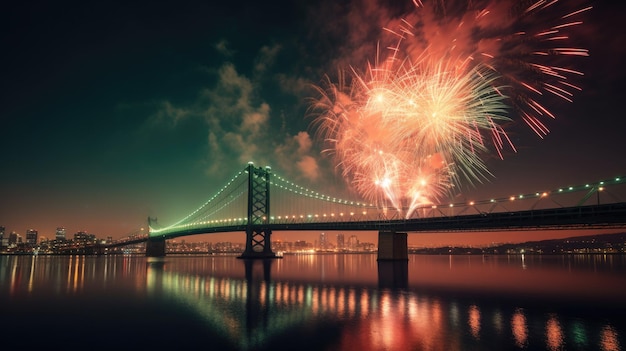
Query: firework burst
{"x": 529, "y": 44}
{"x": 412, "y": 128}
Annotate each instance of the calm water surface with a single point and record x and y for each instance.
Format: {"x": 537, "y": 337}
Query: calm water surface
{"x": 314, "y": 302}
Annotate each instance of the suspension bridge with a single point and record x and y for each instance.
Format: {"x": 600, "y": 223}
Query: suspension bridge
{"x": 243, "y": 205}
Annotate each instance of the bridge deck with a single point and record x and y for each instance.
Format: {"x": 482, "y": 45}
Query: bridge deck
{"x": 579, "y": 217}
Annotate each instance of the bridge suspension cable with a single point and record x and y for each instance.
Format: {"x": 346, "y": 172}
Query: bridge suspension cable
{"x": 295, "y": 203}
{"x": 227, "y": 203}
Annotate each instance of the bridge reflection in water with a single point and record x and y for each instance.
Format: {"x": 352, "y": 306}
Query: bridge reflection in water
{"x": 252, "y": 311}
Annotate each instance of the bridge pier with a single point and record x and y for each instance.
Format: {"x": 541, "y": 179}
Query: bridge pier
{"x": 392, "y": 246}
{"x": 155, "y": 247}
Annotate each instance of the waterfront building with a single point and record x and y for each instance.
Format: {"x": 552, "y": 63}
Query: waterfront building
{"x": 353, "y": 242}
{"x": 83, "y": 237}
{"x": 14, "y": 239}
{"x": 31, "y": 237}
{"x": 60, "y": 234}
{"x": 300, "y": 245}
{"x": 323, "y": 244}
{"x": 340, "y": 242}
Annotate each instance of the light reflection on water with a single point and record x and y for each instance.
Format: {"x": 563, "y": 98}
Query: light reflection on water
{"x": 338, "y": 302}
{"x": 519, "y": 328}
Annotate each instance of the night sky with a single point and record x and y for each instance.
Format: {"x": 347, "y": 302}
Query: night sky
{"x": 115, "y": 111}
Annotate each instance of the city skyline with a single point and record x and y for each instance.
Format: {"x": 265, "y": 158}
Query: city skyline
{"x": 414, "y": 239}
{"x": 114, "y": 113}
{"x": 339, "y": 242}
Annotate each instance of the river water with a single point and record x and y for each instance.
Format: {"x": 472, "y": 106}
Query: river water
{"x": 314, "y": 302}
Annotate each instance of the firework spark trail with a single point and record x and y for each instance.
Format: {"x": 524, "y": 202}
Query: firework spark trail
{"x": 417, "y": 124}
{"x": 525, "y": 42}
{"x": 403, "y": 136}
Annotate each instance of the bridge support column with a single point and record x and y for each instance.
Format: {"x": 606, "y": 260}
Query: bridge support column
{"x": 155, "y": 247}
{"x": 258, "y": 244}
{"x": 392, "y": 246}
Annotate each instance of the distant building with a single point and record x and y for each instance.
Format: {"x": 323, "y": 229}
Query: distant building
{"x": 279, "y": 245}
{"x": 4, "y": 239}
{"x": 60, "y": 234}
{"x": 14, "y": 239}
{"x": 323, "y": 243}
{"x": 340, "y": 241}
{"x": 83, "y": 237}
{"x": 353, "y": 242}
{"x": 31, "y": 237}
{"x": 301, "y": 245}
{"x": 227, "y": 246}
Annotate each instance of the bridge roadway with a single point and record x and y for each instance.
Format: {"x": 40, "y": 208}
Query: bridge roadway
{"x": 578, "y": 217}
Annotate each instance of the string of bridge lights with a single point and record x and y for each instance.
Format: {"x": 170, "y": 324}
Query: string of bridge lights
{"x": 599, "y": 186}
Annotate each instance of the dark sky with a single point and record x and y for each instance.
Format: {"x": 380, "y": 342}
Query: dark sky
{"x": 112, "y": 112}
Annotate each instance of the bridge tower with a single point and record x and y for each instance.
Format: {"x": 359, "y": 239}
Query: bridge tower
{"x": 258, "y": 232}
